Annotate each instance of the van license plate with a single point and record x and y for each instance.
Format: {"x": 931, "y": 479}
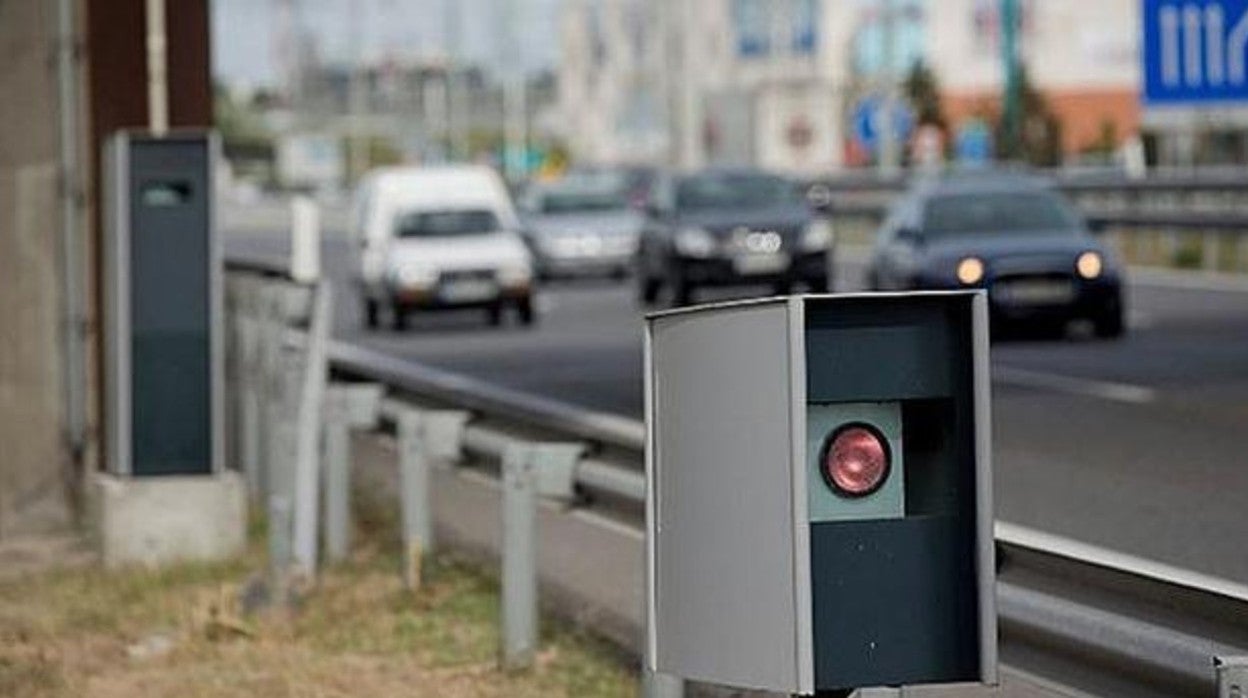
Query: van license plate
{"x": 468, "y": 290}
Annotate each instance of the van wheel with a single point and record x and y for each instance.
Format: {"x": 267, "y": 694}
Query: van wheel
{"x": 372, "y": 313}
{"x": 524, "y": 307}
{"x": 398, "y": 318}
{"x": 494, "y": 315}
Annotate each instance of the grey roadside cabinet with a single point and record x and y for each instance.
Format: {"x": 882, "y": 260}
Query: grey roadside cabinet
{"x": 819, "y": 515}
{"x": 163, "y": 295}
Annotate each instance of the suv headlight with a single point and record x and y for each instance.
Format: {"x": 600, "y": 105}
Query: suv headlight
{"x": 818, "y": 236}
{"x": 695, "y": 242}
{"x": 413, "y": 275}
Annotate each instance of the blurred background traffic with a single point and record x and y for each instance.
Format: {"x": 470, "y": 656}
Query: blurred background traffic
{"x": 487, "y": 196}
{"x": 1081, "y": 161}
{"x": 505, "y": 187}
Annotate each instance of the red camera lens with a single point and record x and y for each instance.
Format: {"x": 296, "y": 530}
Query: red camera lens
{"x": 856, "y": 460}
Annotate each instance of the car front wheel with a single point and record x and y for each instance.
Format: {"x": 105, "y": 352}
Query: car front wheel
{"x": 647, "y": 288}
{"x": 372, "y": 313}
{"x": 398, "y": 318}
{"x": 1109, "y": 324}
{"x": 682, "y": 290}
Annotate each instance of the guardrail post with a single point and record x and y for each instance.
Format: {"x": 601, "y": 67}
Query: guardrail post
{"x": 347, "y": 407}
{"x": 305, "y": 240}
{"x": 336, "y": 461}
{"x": 274, "y": 390}
{"x": 248, "y": 385}
{"x": 309, "y": 399}
{"x": 416, "y": 511}
{"x": 280, "y": 549}
{"x": 443, "y": 432}
{"x": 555, "y": 467}
{"x": 1232, "y": 676}
{"x": 519, "y": 597}
{"x": 654, "y": 685}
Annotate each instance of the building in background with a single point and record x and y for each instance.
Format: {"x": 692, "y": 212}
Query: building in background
{"x": 703, "y": 82}
{"x": 783, "y": 83}
{"x": 611, "y": 108}
{"x": 1082, "y": 56}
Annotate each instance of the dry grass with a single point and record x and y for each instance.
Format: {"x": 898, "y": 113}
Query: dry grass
{"x": 87, "y": 632}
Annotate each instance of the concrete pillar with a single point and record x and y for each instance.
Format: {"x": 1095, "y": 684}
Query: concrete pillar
{"x": 32, "y": 486}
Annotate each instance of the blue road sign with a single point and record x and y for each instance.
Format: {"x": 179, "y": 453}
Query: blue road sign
{"x": 867, "y": 118}
{"x": 1195, "y": 51}
{"x": 974, "y": 143}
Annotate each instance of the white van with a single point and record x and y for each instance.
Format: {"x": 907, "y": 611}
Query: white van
{"x": 439, "y": 237}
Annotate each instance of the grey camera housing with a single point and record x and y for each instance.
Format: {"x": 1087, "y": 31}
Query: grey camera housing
{"x": 758, "y": 576}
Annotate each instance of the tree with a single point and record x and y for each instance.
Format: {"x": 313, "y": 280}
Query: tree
{"x": 1039, "y": 140}
{"x": 922, "y": 89}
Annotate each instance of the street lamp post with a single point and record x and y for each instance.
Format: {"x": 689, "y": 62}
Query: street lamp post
{"x": 1012, "y": 98}
{"x": 890, "y": 150}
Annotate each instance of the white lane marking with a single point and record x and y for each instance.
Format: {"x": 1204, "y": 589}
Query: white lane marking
{"x": 1105, "y": 390}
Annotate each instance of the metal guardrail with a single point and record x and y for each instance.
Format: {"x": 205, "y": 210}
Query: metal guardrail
{"x": 1188, "y": 203}
{"x": 1221, "y": 180}
{"x": 1156, "y": 624}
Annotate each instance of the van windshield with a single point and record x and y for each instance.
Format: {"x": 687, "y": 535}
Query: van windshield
{"x": 432, "y": 224}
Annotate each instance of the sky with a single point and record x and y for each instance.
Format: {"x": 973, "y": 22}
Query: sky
{"x": 244, "y": 32}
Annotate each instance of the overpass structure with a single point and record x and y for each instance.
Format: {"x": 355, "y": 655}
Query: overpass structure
{"x": 75, "y": 72}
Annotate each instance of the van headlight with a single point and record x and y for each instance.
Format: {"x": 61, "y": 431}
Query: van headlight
{"x": 411, "y": 275}
{"x": 818, "y": 236}
{"x": 695, "y": 242}
{"x": 513, "y": 275}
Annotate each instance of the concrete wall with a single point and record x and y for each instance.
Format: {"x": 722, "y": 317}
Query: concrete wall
{"x": 31, "y": 457}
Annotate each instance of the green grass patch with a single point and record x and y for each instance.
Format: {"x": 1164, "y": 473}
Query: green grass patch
{"x": 135, "y": 632}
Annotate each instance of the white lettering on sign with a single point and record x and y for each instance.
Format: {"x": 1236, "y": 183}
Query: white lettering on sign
{"x": 1196, "y": 49}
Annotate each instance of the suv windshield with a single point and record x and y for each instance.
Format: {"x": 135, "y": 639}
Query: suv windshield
{"x": 998, "y": 212}
{"x": 736, "y": 191}
{"x": 583, "y": 193}
{"x": 429, "y": 224}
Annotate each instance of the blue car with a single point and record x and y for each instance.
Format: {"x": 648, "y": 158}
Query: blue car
{"x": 1010, "y": 234}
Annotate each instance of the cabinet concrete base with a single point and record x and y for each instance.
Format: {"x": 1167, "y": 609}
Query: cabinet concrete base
{"x": 159, "y": 520}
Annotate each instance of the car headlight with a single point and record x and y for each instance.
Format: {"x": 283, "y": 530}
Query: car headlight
{"x": 970, "y": 271}
{"x": 1089, "y": 265}
{"x": 695, "y": 242}
{"x": 515, "y": 275}
{"x": 818, "y": 236}
{"x": 413, "y": 275}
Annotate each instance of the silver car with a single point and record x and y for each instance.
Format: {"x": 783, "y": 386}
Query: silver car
{"x": 582, "y": 225}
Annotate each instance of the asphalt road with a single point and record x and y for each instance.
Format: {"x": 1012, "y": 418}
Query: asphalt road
{"x": 1140, "y": 444}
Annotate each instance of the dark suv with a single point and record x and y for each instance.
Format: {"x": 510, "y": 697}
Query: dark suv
{"x": 728, "y": 228}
